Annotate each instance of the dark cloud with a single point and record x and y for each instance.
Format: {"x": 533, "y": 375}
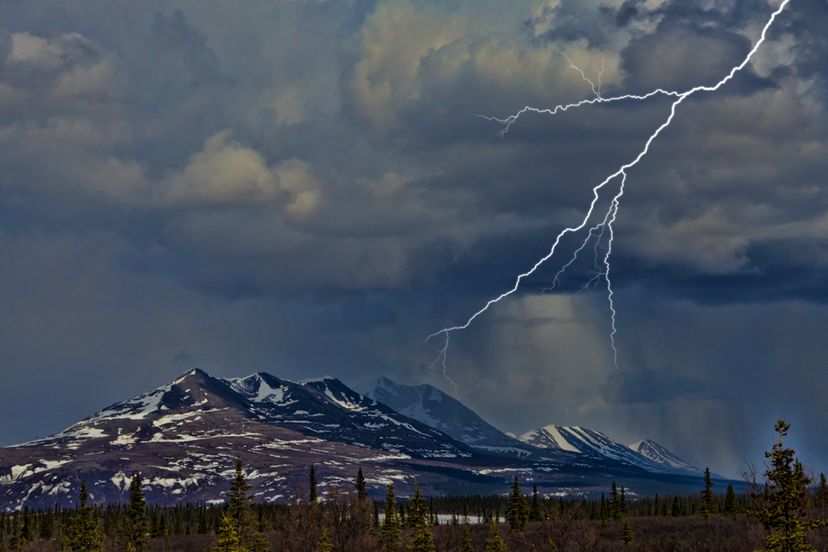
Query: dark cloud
{"x": 305, "y": 187}
{"x": 653, "y": 386}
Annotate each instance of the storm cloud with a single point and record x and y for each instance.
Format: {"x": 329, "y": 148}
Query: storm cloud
{"x": 304, "y": 187}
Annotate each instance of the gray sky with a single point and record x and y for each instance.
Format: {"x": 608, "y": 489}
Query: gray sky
{"x": 303, "y": 187}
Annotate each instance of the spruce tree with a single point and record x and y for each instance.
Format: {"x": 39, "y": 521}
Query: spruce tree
{"x": 517, "y": 512}
{"x": 418, "y": 518}
{"x": 614, "y": 507}
{"x": 82, "y": 532}
{"x": 467, "y": 545}
{"x": 821, "y": 493}
{"x": 626, "y": 533}
{"x": 134, "y": 533}
{"x": 312, "y": 485}
{"x": 730, "y": 501}
{"x": 535, "y": 512}
{"x": 416, "y": 512}
{"x": 494, "y": 542}
{"x": 707, "y": 495}
{"x": 240, "y": 514}
{"x": 227, "y": 538}
{"x": 782, "y": 504}
{"x": 391, "y": 533}
{"x": 360, "y": 486}
{"x": 423, "y": 541}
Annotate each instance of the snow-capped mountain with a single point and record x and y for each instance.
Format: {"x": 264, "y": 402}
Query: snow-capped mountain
{"x": 588, "y": 442}
{"x": 326, "y": 407}
{"x": 660, "y": 455}
{"x": 441, "y": 411}
{"x": 185, "y": 436}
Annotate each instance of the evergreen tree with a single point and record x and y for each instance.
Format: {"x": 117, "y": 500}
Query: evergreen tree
{"x": 419, "y": 519}
{"x": 423, "y": 541}
{"x": 614, "y": 507}
{"x": 82, "y": 532}
{"x": 626, "y": 533}
{"x": 227, "y": 539}
{"x": 535, "y": 512}
{"x": 707, "y": 495}
{"x": 134, "y": 533}
{"x": 416, "y": 512}
{"x": 517, "y": 512}
{"x": 730, "y": 501}
{"x": 312, "y": 485}
{"x": 240, "y": 514}
{"x": 391, "y": 533}
{"x": 494, "y": 542}
{"x": 360, "y": 486}
{"x": 782, "y": 504}
{"x": 467, "y": 545}
{"x": 821, "y": 493}
{"x": 675, "y": 511}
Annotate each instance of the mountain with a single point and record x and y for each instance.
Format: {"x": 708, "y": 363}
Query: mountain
{"x": 647, "y": 454}
{"x": 660, "y": 455}
{"x": 327, "y": 408}
{"x": 184, "y": 438}
{"x": 441, "y": 411}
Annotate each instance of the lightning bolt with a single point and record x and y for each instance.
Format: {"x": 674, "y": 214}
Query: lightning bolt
{"x": 620, "y": 174}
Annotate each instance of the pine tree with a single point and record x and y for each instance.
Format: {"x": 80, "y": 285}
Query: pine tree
{"x": 312, "y": 485}
{"x": 782, "y": 504}
{"x": 134, "y": 533}
{"x": 418, "y": 518}
{"x": 227, "y": 539}
{"x": 423, "y": 541}
{"x": 675, "y": 511}
{"x": 614, "y": 507}
{"x": 535, "y": 512}
{"x": 626, "y": 533}
{"x": 821, "y": 493}
{"x": 83, "y": 530}
{"x": 391, "y": 533}
{"x": 360, "y": 486}
{"x": 240, "y": 514}
{"x": 707, "y": 495}
{"x": 730, "y": 501}
{"x": 494, "y": 542}
{"x": 416, "y": 511}
{"x": 467, "y": 545}
{"x": 517, "y": 512}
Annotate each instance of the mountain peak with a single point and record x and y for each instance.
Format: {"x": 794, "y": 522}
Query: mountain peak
{"x": 441, "y": 411}
{"x": 662, "y": 456}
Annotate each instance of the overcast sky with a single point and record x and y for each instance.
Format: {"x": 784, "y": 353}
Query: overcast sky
{"x": 304, "y": 188}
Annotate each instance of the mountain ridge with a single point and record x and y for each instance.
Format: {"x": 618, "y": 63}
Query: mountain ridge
{"x": 185, "y": 436}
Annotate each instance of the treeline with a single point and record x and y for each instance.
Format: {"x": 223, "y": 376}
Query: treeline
{"x": 779, "y": 513}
